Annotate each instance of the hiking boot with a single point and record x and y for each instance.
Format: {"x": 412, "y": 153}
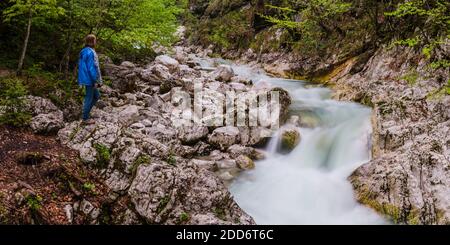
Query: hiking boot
{"x": 88, "y": 122}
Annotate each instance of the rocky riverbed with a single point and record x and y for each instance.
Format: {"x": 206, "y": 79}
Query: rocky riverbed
{"x": 158, "y": 173}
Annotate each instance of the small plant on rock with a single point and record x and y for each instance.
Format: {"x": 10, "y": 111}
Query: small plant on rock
{"x": 162, "y": 204}
{"x": 142, "y": 159}
{"x": 171, "y": 159}
{"x": 103, "y": 155}
{"x": 184, "y": 217}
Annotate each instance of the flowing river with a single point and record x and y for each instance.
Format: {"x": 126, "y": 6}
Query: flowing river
{"x": 309, "y": 185}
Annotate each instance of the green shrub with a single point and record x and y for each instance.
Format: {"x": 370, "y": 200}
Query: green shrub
{"x": 103, "y": 155}
{"x": 44, "y": 84}
{"x": 34, "y": 202}
{"x": 88, "y": 186}
{"x": 12, "y": 104}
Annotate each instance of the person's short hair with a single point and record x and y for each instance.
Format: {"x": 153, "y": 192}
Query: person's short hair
{"x": 90, "y": 40}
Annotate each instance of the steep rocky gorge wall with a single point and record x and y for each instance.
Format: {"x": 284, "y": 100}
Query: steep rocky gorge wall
{"x": 409, "y": 176}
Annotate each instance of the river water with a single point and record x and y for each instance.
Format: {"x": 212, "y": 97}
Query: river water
{"x": 309, "y": 185}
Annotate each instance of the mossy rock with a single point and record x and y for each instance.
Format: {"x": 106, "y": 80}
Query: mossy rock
{"x": 245, "y": 162}
{"x": 290, "y": 139}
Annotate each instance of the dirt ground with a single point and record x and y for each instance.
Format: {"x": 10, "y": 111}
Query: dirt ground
{"x": 39, "y": 177}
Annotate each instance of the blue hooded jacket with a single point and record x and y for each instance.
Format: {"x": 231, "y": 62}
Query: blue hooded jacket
{"x": 88, "y": 68}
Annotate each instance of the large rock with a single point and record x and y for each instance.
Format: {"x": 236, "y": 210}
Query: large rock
{"x": 168, "y": 61}
{"x": 244, "y": 162}
{"x": 191, "y": 135}
{"x": 124, "y": 78}
{"x": 38, "y": 105}
{"x": 47, "y": 123}
{"x": 47, "y": 118}
{"x": 161, "y": 193}
{"x": 255, "y": 136}
{"x": 156, "y": 74}
{"x": 289, "y": 139}
{"x": 128, "y": 114}
{"x": 224, "y": 137}
{"x": 236, "y": 150}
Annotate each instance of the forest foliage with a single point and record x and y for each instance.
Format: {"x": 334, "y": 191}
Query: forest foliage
{"x": 126, "y": 29}
{"x": 320, "y": 27}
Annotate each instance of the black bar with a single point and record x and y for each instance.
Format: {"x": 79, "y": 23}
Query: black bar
{"x": 226, "y": 234}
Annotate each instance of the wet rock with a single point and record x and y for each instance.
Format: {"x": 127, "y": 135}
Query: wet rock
{"x": 244, "y": 162}
{"x": 408, "y": 178}
{"x": 279, "y": 68}
{"x": 223, "y": 73}
{"x": 255, "y": 136}
{"x": 289, "y": 139}
{"x": 237, "y": 150}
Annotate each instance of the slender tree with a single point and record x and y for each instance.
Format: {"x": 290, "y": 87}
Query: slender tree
{"x": 30, "y": 9}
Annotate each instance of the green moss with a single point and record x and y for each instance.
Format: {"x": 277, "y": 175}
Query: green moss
{"x": 103, "y": 155}
{"x": 413, "y": 217}
{"x": 289, "y": 140}
{"x": 438, "y": 94}
{"x": 162, "y": 204}
{"x": 229, "y": 31}
{"x": 411, "y": 77}
{"x": 184, "y": 217}
{"x": 387, "y": 209}
{"x": 171, "y": 159}
{"x": 367, "y": 101}
{"x": 220, "y": 213}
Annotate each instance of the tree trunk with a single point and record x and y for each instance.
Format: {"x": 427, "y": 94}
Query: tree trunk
{"x": 25, "y": 43}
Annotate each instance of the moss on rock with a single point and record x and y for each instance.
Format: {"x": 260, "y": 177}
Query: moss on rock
{"x": 289, "y": 140}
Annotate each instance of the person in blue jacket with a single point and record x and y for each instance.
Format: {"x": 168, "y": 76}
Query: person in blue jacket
{"x": 89, "y": 76}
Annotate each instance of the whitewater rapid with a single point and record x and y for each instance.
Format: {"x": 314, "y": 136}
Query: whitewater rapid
{"x": 309, "y": 185}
